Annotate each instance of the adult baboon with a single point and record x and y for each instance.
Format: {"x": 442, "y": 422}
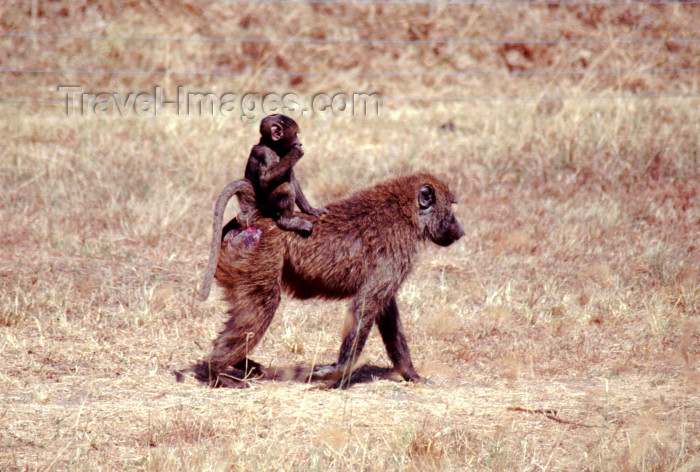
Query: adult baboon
{"x": 363, "y": 248}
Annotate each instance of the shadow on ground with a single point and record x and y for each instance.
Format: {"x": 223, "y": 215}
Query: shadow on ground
{"x": 237, "y": 378}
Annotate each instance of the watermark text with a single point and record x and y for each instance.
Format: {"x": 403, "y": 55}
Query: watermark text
{"x": 181, "y": 101}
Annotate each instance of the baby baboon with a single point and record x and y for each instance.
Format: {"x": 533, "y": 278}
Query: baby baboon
{"x": 270, "y": 170}
{"x": 268, "y": 189}
{"x": 363, "y": 248}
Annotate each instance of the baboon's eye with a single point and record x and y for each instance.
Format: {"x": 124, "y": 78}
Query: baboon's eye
{"x": 426, "y": 196}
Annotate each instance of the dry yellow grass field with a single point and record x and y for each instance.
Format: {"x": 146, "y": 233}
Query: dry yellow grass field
{"x": 562, "y": 333}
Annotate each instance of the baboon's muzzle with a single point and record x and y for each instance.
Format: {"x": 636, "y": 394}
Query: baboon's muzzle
{"x": 453, "y": 231}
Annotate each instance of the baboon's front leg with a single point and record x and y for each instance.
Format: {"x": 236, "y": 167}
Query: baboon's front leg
{"x": 391, "y": 329}
{"x": 364, "y": 311}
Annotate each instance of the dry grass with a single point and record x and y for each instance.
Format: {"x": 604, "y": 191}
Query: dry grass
{"x": 576, "y": 288}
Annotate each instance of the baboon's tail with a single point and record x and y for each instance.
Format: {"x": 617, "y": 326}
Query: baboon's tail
{"x": 246, "y": 201}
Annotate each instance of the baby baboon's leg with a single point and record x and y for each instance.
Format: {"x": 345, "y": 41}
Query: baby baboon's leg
{"x": 281, "y": 205}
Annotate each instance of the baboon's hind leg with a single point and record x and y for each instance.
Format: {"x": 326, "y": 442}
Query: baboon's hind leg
{"x": 249, "y": 317}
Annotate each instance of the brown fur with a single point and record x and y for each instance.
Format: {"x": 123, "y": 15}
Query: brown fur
{"x": 363, "y": 249}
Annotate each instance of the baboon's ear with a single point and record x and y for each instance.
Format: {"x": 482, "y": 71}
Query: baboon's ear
{"x": 426, "y": 196}
{"x": 276, "y": 131}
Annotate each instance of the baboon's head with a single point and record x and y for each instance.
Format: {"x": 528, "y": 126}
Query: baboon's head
{"x": 279, "y": 132}
{"x": 436, "y": 218}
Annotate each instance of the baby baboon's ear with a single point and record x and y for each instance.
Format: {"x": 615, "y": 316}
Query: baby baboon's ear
{"x": 276, "y": 131}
